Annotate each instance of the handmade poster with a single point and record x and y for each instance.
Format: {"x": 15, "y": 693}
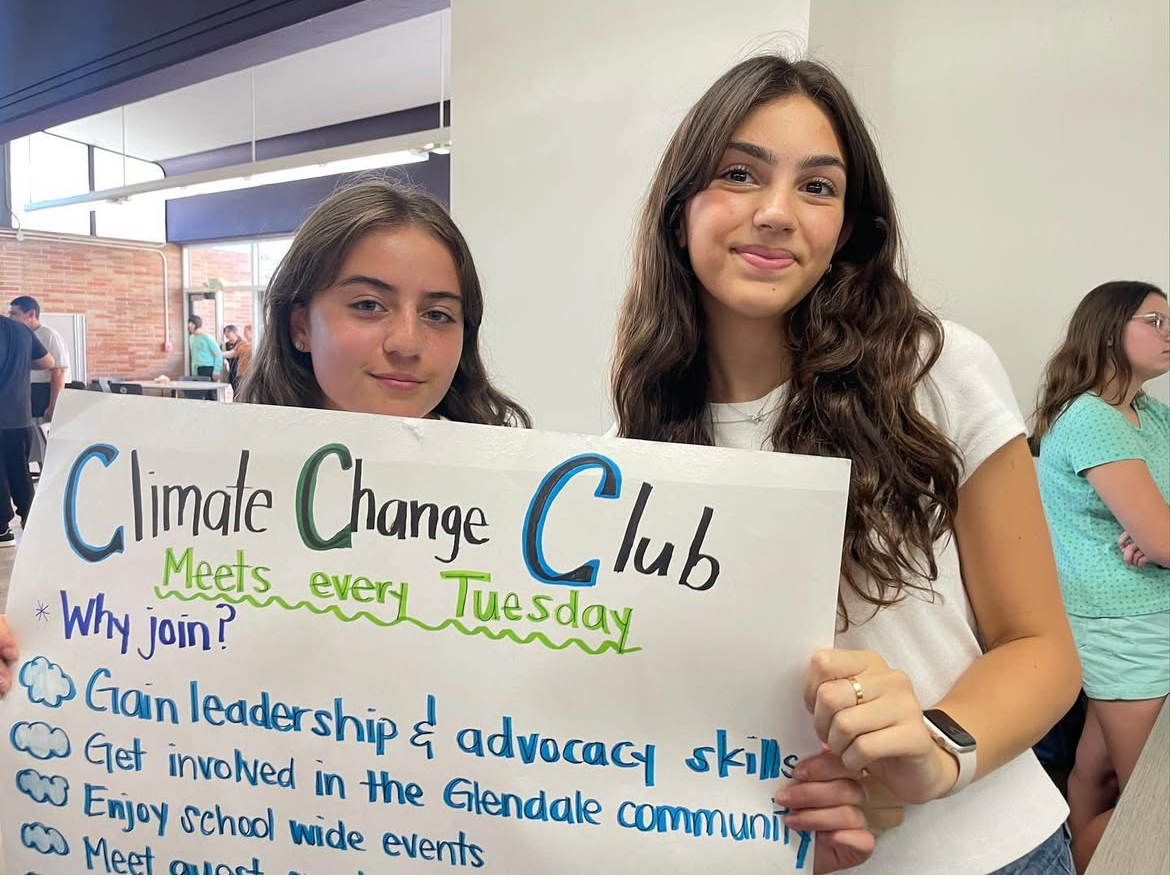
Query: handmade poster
{"x": 257, "y": 639}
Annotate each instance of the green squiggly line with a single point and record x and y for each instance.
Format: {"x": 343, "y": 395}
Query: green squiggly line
{"x": 530, "y": 638}
{"x": 524, "y": 639}
{"x": 279, "y": 602}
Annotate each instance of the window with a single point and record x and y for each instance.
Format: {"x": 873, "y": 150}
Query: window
{"x": 269, "y": 253}
{"x": 46, "y": 166}
{"x": 225, "y": 281}
{"x": 143, "y": 219}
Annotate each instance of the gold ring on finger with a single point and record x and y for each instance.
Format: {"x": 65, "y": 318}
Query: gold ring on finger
{"x": 857, "y": 690}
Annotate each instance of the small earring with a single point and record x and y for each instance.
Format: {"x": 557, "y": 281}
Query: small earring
{"x": 299, "y": 345}
{"x": 829, "y": 269}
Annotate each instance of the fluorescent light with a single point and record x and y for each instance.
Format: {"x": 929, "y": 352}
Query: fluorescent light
{"x": 265, "y": 178}
{"x": 386, "y": 152}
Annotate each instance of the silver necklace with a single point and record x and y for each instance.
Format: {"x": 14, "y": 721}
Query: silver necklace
{"x": 747, "y": 416}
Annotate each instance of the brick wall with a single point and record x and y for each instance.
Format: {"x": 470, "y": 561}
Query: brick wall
{"x": 119, "y": 291}
{"x": 237, "y": 309}
{"x": 230, "y": 264}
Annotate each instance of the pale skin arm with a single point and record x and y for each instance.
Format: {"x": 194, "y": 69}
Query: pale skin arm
{"x": 847, "y": 811}
{"x": 1009, "y": 697}
{"x": 56, "y": 385}
{"x": 45, "y": 362}
{"x": 9, "y": 649}
{"x": 1128, "y": 490}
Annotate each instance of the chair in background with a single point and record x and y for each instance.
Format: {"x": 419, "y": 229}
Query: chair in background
{"x": 104, "y": 382}
{"x": 75, "y": 386}
{"x": 125, "y": 388}
{"x": 198, "y": 395}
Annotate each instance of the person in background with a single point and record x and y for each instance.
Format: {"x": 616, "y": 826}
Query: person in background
{"x": 1104, "y": 469}
{"x": 237, "y": 353}
{"x": 46, "y": 383}
{"x": 20, "y": 351}
{"x": 248, "y": 333}
{"x": 206, "y": 357}
{"x": 226, "y": 348}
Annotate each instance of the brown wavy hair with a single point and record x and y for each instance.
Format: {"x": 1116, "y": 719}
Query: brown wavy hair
{"x": 860, "y": 342}
{"x": 1092, "y": 354}
{"x": 282, "y": 376}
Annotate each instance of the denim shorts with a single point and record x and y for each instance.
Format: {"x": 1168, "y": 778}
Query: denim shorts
{"x": 1052, "y": 857}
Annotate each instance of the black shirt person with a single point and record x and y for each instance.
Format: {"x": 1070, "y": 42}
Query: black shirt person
{"x": 20, "y": 351}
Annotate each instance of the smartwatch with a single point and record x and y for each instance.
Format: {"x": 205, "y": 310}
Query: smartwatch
{"x": 955, "y": 740}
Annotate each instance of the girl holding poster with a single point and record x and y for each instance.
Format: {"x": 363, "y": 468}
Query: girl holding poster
{"x": 767, "y": 309}
{"x": 376, "y": 308}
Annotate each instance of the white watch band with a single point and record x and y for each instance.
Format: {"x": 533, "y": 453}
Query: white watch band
{"x": 966, "y": 758}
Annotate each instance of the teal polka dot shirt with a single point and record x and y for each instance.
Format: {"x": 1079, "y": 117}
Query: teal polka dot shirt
{"x": 1094, "y": 579}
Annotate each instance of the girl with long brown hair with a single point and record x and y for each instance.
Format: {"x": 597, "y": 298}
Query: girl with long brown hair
{"x": 767, "y": 309}
{"x": 1104, "y": 448}
{"x": 376, "y": 308}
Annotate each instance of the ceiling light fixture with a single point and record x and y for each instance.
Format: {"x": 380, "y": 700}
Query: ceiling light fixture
{"x": 386, "y": 152}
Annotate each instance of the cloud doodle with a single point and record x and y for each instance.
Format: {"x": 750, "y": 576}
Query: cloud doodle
{"x": 40, "y": 740}
{"x": 46, "y": 682}
{"x": 46, "y": 840}
{"x": 53, "y": 789}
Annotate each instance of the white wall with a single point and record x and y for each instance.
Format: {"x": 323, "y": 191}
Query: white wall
{"x": 560, "y": 111}
{"x": 1028, "y": 144}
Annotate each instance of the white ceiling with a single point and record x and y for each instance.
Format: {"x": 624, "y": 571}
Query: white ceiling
{"x": 392, "y": 68}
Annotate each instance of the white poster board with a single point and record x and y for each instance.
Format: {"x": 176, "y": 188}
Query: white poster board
{"x": 534, "y": 653}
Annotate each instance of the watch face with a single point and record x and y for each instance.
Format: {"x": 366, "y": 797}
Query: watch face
{"x": 949, "y": 728}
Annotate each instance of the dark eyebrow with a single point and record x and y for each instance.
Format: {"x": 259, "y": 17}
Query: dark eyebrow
{"x": 822, "y": 162}
{"x": 444, "y": 295}
{"x": 368, "y": 281}
{"x": 384, "y": 287}
{"x": 753, "y": 150}
{"x": 767, "y": 156}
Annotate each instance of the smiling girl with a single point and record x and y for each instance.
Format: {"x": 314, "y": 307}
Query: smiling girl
{"x": 767, "y": 309}
{"x": 376, "y": 308}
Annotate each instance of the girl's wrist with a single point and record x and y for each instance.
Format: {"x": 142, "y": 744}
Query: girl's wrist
{"x": 948, "y": 771}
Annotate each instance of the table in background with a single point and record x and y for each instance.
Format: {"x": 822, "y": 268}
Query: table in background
{"x": 221, "y": 388}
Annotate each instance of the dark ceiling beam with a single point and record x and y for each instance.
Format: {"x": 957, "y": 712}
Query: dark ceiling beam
{"x": 69, "y": 59}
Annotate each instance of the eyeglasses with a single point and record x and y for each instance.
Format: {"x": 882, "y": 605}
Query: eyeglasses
{"x": 1155, "y": 319}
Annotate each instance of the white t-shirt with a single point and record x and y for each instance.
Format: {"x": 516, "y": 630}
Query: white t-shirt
{"x": 1006, "y": 814}
{"x": 55, "y": 345}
